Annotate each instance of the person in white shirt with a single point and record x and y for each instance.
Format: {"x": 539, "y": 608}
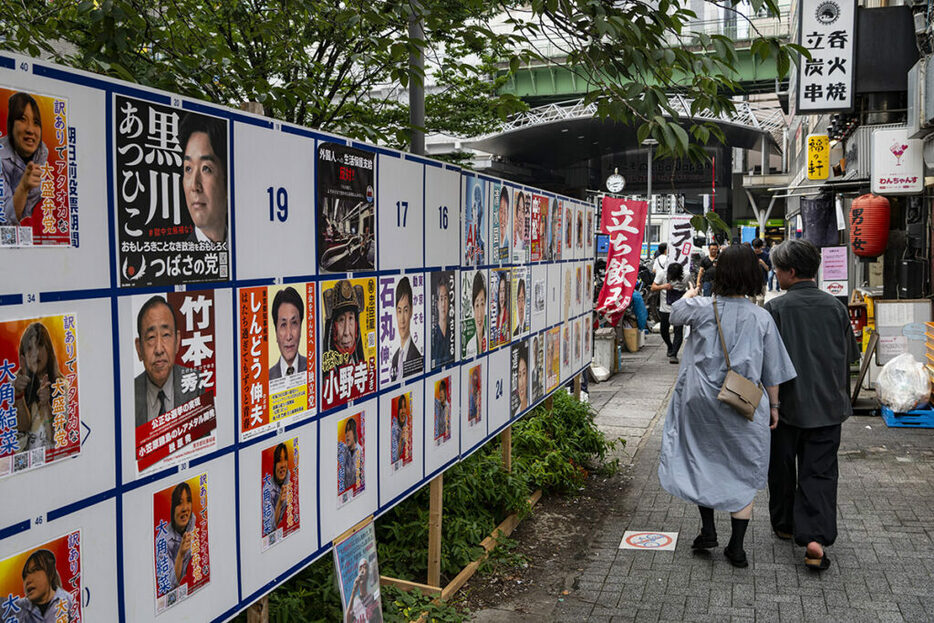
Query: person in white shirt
{"x": 671, "y": 284}
{"x": 661, "y": 260}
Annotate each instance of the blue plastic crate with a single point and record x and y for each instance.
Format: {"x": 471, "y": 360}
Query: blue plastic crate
{"x": 918, "y": 418}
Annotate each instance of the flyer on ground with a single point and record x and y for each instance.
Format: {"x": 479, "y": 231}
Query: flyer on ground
{"x": 180, "y": 540}
{"x": 43, "y": 583}
{"x": 519, "y": 378}
{"x": 171, "y": 194}
{"x": 278, "y": 356}
{"x": 351, "y": 455}
{"x": 174, "y": 377}
{"x": 474, "y": 231}
{"x": 521, "y": 301}
{"x": 473, "y": 313}
{"x": 39, "y": 414}
{"x": 400, "y": 431}
{"x": 443, "y": 286}
{"x": 348, "y": 352}
{"x": 358, "y": 574}
{"x": 401, "y": 327}
{"x": 280, "y": 506}
{"x": 442, "y": 411}
{"x": 502, "y": 223}
{"x": 501, "y": 289}
{"x": 39, "y": 181}
{"x": 552, "y": 358}
{"x": 346, "y": 208}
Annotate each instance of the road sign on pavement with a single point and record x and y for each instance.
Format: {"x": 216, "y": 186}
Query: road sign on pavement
{"x": 648, "y": 540}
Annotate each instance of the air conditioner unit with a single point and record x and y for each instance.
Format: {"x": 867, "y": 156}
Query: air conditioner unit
{"x": 917, "y": 97}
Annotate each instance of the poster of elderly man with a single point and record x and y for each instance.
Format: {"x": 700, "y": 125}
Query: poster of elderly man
{"x": 348, "y": 352}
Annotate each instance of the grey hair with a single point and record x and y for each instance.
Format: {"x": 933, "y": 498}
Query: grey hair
{"x": 800, "y": 255}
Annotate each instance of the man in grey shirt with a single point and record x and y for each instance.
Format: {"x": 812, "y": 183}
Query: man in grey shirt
{"x": 815, "y": 328}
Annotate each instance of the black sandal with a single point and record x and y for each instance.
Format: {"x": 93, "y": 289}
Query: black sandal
{"x": 817, "y": 564}
{"x": 704, "y": 541}
{"x": 737, "y": 559}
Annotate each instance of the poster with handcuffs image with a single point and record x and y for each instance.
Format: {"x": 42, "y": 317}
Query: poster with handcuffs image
{"x": 346, "y": 209}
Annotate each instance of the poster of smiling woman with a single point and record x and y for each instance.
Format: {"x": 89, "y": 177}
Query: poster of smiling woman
{"x": 280, "y": 509}
{"x": 43, "y": 583}
{"x": 180, "y": 527}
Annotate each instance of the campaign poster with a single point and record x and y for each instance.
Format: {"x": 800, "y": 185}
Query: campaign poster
{"x": 580, "y": 227}
{"x": 588, "y": 240}
{"x": 538, "y": 215}
{"x": 171, "y": 189}
{"x": 180, "y": 529}
{"x": 554, "y": 230}
{"x": 358, "y": 573}
{"x": 39, "y": 416}
{"x": 443, "y": 304}
{"x": 500, "y": 332}
{"x": 502, "y": 223}
{"x": 552, "y": 358}
{"x": 401, "y": 327}
{"x": 38, "y": 152}
{"x": 588, "y": 286}
{"x": 539, "y": 294}
{"x": 576, "y": 341}
{"x": 277, "y": 355}
{"x": 474, "y": 233}
{"x": 175, "y": 377}
{"x": 519, "y": 378}
{"x": 566, "y": 346}
{"x": 346, "y": 209}
{"x": 43, "y": 583}
{"x": 587, "y": 344}
{"x": 442, "y": 409}
{"x": 521, "y": 300}
{"x": 537, "y": 363}
{"x": 568, "y": 230}
{"x": 578, "y": 287}
{"x": 473, "y": 313}
{"x": 400, "y": 431}
{"x": 475, "y": 395}
{"x": 348, "y": 355}
{"x": 520, "y": 227}
{"x": 568, "y": 293}
{"x": 351, "y": 454}
{"x": 279, "y": 486}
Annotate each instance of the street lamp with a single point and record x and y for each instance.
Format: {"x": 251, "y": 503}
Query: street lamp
{"x": 650, "y": 143}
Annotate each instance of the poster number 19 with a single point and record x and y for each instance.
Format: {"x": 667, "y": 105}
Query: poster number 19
{"x": 278, "y": 203}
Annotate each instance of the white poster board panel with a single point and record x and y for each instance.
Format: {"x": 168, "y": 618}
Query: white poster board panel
{"x": 341, "y": 512}
{"x": 538, "y": 291}
{"x": 442, "y": 216}
{"x": 499, "y": 389}
{"x": 274, "y": 190}
{"x": 95, "y": 461}
{"x": 223, "y": 378}
{"x": 442, "y": 419}
{"x": 66, "y": 267}
{"x": 568, "y": 290}
{"x": 258, "y": 567}
{"x": 400, "y": 210}
{"x": 588, "y": 285}
{"x": 139, "y": 569}
{"x": 567, "y": 363}
{"x": 473, "y": 411}
{"x": 553, "y": 301}
{"x": 399, "y": 475}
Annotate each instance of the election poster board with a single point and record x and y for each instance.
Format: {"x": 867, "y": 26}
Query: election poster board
{"x": 24, "y": 576}
{"x": 180, "y": 541}
{"x": 442, "y": 334}
{"x": 357, "y": 569}
{"x": 280, "y": 510}
{"x": 348, "y": 359}
{"x": 346, "y": 213}
{"x": 403, "y": 415}
{"x": 401, "y": 327}
{"x": 442, "y": 420}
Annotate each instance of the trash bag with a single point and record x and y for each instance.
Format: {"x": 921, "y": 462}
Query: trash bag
{"x": 903, "y": 384}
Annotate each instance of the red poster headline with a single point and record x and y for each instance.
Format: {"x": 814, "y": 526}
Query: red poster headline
{"x": 624, "y": 221}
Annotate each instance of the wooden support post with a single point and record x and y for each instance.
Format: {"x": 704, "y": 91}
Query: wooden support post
{"x": 505, "y": 438}
{"x": 259, "y": 611}
{"x": 550, "y": 403}
{"x": 577, "y": 386}
{"x": 434, "y": 530}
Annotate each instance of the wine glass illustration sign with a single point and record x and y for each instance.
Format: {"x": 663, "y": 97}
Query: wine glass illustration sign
{"x": 898, "y": 149}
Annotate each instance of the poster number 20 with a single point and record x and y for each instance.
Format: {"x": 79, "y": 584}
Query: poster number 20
{"x": 278, "y": 204}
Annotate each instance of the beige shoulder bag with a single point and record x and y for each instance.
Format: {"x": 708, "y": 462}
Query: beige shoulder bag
{"x": 737, "y": 391}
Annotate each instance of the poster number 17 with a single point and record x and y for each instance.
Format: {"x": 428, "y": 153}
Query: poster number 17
{"x": 278, "y": 203}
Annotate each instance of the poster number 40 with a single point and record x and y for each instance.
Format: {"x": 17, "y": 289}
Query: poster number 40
{"x": 278, "y": 203}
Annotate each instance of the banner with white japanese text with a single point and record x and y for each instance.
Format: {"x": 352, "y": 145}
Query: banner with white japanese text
{"x": 624, "y": 221}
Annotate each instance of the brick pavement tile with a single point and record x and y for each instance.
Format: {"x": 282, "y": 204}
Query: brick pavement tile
{"x": 743, "y": 595}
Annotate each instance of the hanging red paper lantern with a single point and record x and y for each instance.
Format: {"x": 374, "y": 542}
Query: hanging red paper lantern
{"x": 869, "y": 225}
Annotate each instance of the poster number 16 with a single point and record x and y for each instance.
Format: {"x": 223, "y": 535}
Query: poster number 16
{"x": 278, "y": 203}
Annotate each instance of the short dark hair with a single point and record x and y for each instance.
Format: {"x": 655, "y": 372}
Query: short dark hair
{"x": 504, "y": 194}
{"x": 797, "y": 254}
{"x": 152, "y": 302}
{"x": 675, "y": 271}
{"x": 443, "y": 384}
{"x": 176, "y": 500}
{"x": 662, "y": 248}
{"x": 713, "y": 243}
{"x": 43, "y": 560}
{"x": 520, "y": 289}
{"x": 758, "y": 243}
{"x": 288, "y": 295}
{"x": 16, "y": 108}
{"x": 280, "y": 450}
{"x": 403, "y": 289}
{"x": 351, "y": 424}
{"x": 479, "y": 285}
{"x": 214, "y": 128}
{"x": 737, "y": 273}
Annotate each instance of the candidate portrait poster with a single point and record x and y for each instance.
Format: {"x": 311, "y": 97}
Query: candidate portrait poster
{"x": 501, "y": 223}
{"x": 537, "y": 365}
{"x": 520, "y": 227}
{"x": 552, "y": 358}
{"x": 346, "y": 208}
{"x": 171, "y": 195}
{"x": 539, "y": 294}
{"x": 39, "y": 415}
{"x": 554, "y": 230}
{"x": 279, "y": 487}
{"x": 475, "y": 395}
{"x": 579, "y": 219}
{"x": 568, "y": 293}
{"x": 442, "y": 300}
{"x": 501, "y": 291}
{"x": 400, "y": 431}
{"x": 519, "y": 378}
{"x": 278, "y": 355}
{"x": 441, "y": 431}
{"x": 37, "y": 148}
{"x": 401, "y": 327}
{"x": 473, "y": 313}
{"x": 351, "y": 457}
{"x": 474, "y": 220}
{"x": 537, "y": 216}
{"x": 43, "y": 583}
{"x": 576, "y": 342}
{"x": 566, "y": 346}
{"x": 174, "y": 382}
{"x": 569, "y": 212}
{"x": 578, "y": 287}
{"x": 521, "y": 300}
{"x": 180, "y": 540}
{"x": 358, "y": 574}
{"x": 348, "y": 352}
{"x": 587, "y": 345}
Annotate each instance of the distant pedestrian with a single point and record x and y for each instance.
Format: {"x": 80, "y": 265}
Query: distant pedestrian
{"x": 765, "y": 265}
{"x": 711, "y": 455}
{"x": 708, "y": 268}
{"x": 815, "y": 328}
{"x": 660, "y": 262}
{"x": 671, "y": 284}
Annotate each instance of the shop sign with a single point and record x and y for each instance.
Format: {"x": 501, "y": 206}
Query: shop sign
{"x": 834, "y": 271}
{"x": 828, "y": 32}
{"x": 818, "y": 156}
{"x": 897, "y": 163}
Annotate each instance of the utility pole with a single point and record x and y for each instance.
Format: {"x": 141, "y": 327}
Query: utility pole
{"x": 650, "y": 143}
{"x": 416, "y": 79}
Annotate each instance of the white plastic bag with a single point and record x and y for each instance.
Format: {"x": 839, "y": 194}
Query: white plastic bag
{"x": 903, "y": 384}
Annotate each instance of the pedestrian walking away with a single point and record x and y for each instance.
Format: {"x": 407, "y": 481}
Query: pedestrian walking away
{"x": 671, "y": 284}
{"x": 711, "y": 455}
{"x": 708, "y": 268}
{"x": 816, "y": 331}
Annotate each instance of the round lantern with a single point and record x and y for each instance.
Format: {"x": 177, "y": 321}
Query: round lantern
{"x": 869, "y": 225}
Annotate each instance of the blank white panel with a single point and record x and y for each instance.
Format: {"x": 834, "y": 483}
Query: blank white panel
{"x": 538, "y": 291}
{"x": 393, "y": 483}
{"x": 473, "y": 433}
{"x": 498, "y": 388}
{"x": 553, "y": 300}
{"x": 400, "y": 221}
{"x": 442, "y": 216}
{"x": 439, "y": 452}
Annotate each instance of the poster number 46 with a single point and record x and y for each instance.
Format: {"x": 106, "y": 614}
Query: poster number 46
{"x": 278, "y": 203}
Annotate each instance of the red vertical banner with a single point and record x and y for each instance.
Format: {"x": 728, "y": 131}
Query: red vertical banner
{"x": 624, "y": 221}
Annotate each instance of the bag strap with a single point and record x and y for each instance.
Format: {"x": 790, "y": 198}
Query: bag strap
{"x": 726, "y": 353}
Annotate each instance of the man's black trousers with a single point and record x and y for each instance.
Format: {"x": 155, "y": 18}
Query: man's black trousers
{"x": 803, "y": 476}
